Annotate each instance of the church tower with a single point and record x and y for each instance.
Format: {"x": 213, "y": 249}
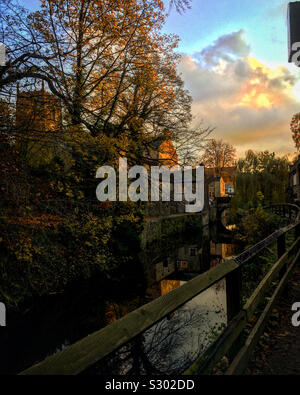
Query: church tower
{"x": 38, "y": 111}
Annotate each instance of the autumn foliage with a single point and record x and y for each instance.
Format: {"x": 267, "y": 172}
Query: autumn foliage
{"x": 295, "y": 128}
{"x": 111, "y": 77}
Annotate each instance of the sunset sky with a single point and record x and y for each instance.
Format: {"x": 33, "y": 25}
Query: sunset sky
{"x": 235, "y": 66}
{"x": 234, "y": 63}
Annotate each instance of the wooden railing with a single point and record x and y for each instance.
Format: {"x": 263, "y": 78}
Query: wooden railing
{"x": 289, "y": 211}
{"x": 242, "y": 316}
{"x": 82, "y": 355}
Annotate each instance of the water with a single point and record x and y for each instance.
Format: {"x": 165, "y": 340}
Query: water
{"x": 174, "y": 343}
{"x": 168, "y": 347}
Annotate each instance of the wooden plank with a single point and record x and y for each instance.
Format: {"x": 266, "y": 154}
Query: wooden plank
{"x": 91, "y": 349}
{"x": 241, "y": 360}
{"x": 220, "y": 347}
{"x": 258, "y": 295}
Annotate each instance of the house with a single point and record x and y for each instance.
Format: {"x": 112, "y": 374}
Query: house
{"x": 220, "y": 183}
{"x": 220, "y": 251}
{"x": 228, "y": 174}
{"x": 189, "y": 259}
{"x": 163, "y": 151}
{"x": 216, "y": 187}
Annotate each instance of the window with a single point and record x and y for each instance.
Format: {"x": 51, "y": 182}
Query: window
{"x": 295, "y": 179}
{"x": 182, "y": 265}
{"x": 193, "y": 251}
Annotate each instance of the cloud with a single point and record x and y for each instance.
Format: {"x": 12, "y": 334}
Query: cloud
{"x": 226, "y": 47}
{"x": 249, "y": 103}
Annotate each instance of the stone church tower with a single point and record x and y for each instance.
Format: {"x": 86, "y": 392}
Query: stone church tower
{"x": 38, "y": 111}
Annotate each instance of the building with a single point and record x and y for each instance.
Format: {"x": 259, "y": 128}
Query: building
{"x": 295, "y": 180}
{"x": 164, "y": 152}
{"x": 189, "y": 259}
{"x": 220, "y": 251}
{"x": 228, "y": 174}
{"x": 220, "y": 184}
{"x": 38, "y": 111}
{"x": 216, "y": 188}
{"x": 38, "y": 116}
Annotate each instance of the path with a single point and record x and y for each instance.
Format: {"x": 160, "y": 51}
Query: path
{"x": 278, "y": 351}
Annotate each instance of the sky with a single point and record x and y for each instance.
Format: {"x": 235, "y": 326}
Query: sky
{"x": 234, "y": 63}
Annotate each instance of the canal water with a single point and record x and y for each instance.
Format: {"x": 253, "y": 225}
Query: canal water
{"x": 169, "y": 347}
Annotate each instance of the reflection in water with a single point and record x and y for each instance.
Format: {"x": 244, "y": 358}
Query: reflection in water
{"x": 168, "y": 347}
{"x": 167, "y": 286}
{"x": 174, "y": 343}
{"x": 171, "y": 346}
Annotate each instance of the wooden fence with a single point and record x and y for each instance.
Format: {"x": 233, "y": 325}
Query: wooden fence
{"x": 82, "y": 355}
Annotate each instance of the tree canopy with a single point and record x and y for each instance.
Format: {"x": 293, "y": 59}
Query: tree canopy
{"x": 109, "y": 64}
{"x": 295, "y": 128}
{"x": 218, "y": 154}
{"x": 262, "y": 178}
{"x": 108, "y": 77}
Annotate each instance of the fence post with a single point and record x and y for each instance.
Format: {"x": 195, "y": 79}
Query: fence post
{"x": 233, "y": 293}
{"x": 297, "y": 231}
{"x": 234, "y": 304}
{"x": 281, "y": 247}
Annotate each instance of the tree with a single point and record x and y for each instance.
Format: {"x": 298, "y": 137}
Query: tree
{"x": 218, "y": 154}
{"x": 107, "y": 62}
{"x": 180, "y": 5}
{"x": 6, "y": 118}
{"x": 115, "y": 75}
{"x": 295, "y": 128}
{"x": 261, "y": 178}
{"x": 90, "y": 55}
{"x": 191, "y": 143}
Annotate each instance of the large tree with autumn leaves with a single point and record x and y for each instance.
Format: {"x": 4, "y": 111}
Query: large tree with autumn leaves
{"x": 115, "y": 75}
{"x": 107, "y": 61}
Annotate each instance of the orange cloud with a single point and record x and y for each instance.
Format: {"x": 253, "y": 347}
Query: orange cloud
{"x": 250, "y": 103}
{"x": 257, "y": 94}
